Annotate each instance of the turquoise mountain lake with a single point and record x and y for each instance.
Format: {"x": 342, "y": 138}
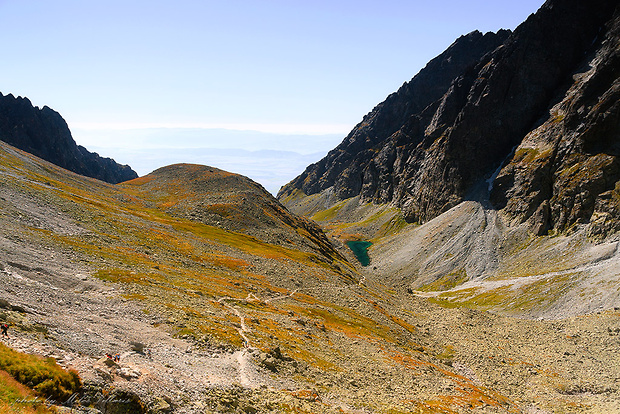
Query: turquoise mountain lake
{"x": 360, "y": 250}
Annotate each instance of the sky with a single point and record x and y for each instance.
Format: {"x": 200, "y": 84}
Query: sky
{"x": 261, "y": 88}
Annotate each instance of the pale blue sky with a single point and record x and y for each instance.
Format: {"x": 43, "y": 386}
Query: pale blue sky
{"x": 112, "y": 68}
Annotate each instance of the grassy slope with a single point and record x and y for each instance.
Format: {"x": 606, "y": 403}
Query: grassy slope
{"x": 46, "y": 382}
{"x": 16, "y": 398}
{"x": 354, "y": 338}
{"x": 470, "y": 257}
{"x": 192, "y": 273}
{"x": 127, "y": 236}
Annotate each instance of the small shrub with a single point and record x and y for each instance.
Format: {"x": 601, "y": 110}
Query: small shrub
{"x": 42, "y": 374}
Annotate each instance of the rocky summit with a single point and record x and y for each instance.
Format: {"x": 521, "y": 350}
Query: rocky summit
{"x": 482, "y": 196}
{"x": 44, "y": 133}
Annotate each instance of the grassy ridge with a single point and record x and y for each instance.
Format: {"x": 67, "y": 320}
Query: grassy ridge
{"x": 135, "y": 235}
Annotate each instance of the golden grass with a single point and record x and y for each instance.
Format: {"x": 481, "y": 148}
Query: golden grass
{"x": 540, "y": 294}
{"x": 466, "y": 393}
{"x": 447, "y": 281}
{"x": 16, "y": 398}
{"x": 330, "y": 213}
{"x": 46, "y": 378}
{"x": 131, "y": 238}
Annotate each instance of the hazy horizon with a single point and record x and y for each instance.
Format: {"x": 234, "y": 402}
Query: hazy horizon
{"x": 272, "y": 160}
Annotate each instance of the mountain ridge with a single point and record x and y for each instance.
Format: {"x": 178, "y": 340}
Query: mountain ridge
{"x": 44, "y": 133}
{"x": 411, "y": 98}
{"x": 505, "y": 187}
{"x": 438, "y": 155}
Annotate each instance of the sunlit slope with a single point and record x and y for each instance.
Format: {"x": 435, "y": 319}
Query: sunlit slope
{"x": 126, "y": 234}
{"x": 158, "y": 244}
{"x": 473, "y": 256}
{"x": 231, "y": 202}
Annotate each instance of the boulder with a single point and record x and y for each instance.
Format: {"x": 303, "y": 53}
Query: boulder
{"x": 129, "y": 373}
{"x": 107, "y": 362}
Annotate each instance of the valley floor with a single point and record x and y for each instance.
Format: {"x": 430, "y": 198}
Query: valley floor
{"x": 462, "y": 360}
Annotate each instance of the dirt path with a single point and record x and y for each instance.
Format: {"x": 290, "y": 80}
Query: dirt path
{"x": 93, "y": 319}
{"x": 517, "y": 282}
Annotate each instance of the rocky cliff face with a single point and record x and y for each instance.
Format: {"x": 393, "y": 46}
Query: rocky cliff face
{"x": 548, "y": 90}
{"x": 44, "y": 133}
{"x": 567, "y": 170}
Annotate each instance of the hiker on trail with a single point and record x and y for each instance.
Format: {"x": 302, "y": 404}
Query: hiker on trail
{"x": 117, "y": 358}
{"x": 5, "y": 329}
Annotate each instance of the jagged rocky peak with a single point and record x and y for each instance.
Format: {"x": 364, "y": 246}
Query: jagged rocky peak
{"x": 44, "y": 133}
{"x": 433, "y": 143}
{"x": 342, "y": 167}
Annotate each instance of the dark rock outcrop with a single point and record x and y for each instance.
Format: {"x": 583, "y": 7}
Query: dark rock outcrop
{"x": 427, "y": 149}
{"x": 44, "y": 133}
{"x": 567, "y": 170}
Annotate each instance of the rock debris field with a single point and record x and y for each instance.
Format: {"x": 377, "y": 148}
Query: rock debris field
{"x": 540, "y": 366}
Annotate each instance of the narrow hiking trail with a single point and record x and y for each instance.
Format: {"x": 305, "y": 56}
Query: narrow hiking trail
{"x": 243, "y": 356}
{"x": 194, "y": 377}
{"x": 247, "y": 373}
{"x": 518, "y": 282}
{"x": 95, "y": 319}
{"x": 243, "y": 327}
